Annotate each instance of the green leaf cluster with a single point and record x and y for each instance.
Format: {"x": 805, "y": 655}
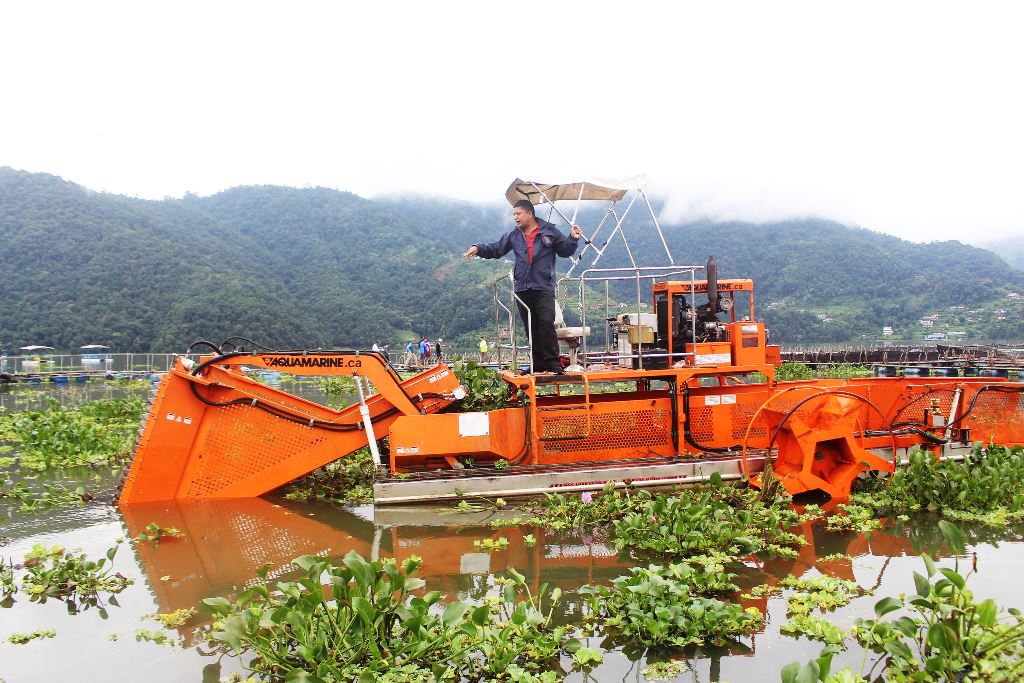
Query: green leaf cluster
{"x": 987, "y": 486}
{"x": 705, "y": 520}
{"x": 372, "y": 622}
{"x": 670, "y": 605}
{"x": 942, "y": 633}
{"x": 54, "y": 573}
{"x": 93, "y": 433}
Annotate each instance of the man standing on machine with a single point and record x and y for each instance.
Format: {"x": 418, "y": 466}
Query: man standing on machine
{"x": 535, "y": 243}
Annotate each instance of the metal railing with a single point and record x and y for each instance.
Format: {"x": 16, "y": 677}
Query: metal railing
{"x": 111, "y": 363}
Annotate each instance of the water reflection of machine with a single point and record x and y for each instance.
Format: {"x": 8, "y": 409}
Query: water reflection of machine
{"x": 225, "y": 543}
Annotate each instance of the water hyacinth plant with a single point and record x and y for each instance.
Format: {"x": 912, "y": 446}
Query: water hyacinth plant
{"x": 54, "y": 573}
{"x": 671, "y": 605}
{"x": 94, "y": 433}
{"x": 370, "y": 624}
{"x": 712, "y": 519}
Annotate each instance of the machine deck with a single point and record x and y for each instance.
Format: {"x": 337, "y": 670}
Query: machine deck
{"x": 536, "y": 480}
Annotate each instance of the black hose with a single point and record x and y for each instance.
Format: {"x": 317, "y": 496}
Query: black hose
{"x": 974, "y": 399}
{"x": 687, "y": 436}
{"x": 801, "y": 402}
{"x": 673, "y": 395}
{"x": 255, "y": 345}
{"x": 203, "y": 342}
{"x": 290, "y": 416}
{"x": 526, "y": 441}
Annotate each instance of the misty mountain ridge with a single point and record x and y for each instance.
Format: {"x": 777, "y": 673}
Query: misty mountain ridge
{"x": 316, "y": 267}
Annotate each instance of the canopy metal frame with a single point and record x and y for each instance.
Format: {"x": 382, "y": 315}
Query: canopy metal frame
{"x": 591, "y": 273}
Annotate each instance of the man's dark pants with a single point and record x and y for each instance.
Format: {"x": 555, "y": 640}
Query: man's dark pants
{"x": 542, "y": 318}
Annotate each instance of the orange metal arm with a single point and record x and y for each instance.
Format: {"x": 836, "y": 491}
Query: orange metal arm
{"x": 370, "y": 365}
{"x": 219, "y": 434}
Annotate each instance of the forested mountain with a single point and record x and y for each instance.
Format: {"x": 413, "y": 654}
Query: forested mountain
{"x": 302, "y": 268}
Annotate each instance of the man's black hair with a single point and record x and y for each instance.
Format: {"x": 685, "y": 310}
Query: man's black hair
{"x": 525, "y": 205}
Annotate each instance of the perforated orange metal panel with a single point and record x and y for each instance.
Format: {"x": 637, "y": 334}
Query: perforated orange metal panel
{"x": 608, "y": 431}
{"x": 242, "y": 443}
{"x": 223, "y": 435}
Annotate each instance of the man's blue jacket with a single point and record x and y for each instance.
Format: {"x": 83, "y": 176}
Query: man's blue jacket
{"x": 541, "y": 273}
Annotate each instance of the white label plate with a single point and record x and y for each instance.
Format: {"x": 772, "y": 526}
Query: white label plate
{"x": 474, "y": 424}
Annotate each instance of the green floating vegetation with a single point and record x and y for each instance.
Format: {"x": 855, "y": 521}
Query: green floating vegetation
{"x": 824, "y": 593}
{"x": 53, "y": 573}
{"x": 49, "y": 495}
{"x": 155, "y": 637}
{"x": 347, "y": 480}
{"x": 371, "y": 627}
{"x": 797, "y": 371}
{"x": 711, "y": 519}
{"x": 835, "y": 557}
{"x": 815, "y": 628}
{"x": 856, "y": 518}
{"x": 336, "y": 386}
{"x": 175, "y": 618}
{"x": 561, "y": 511}
{"x": 95, "y": 433}
{"x": 38, "y": 634}
{"x": 670, "y": 605}
{"x": 664, "y": 671}
{"x": 7, "y": 585}
{"x": 986, "y": 487}
{"x": 154, "y": 533}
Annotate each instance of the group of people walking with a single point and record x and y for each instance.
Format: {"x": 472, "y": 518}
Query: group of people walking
{"x": 423, "y": 352}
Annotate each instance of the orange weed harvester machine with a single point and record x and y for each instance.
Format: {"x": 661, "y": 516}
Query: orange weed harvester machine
{"x": 677, "y": 389}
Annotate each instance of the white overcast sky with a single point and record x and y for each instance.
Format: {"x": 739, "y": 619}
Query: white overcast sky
{"x": 903, "y": 117}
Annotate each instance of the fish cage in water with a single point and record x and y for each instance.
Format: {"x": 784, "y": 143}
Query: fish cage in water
{"x": 96, "y": 358}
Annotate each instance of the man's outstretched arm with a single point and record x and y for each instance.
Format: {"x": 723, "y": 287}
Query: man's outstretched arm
{"x": 491, "y": 249}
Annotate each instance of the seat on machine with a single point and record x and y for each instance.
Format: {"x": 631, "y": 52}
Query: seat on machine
{"x": 570, "y": 335}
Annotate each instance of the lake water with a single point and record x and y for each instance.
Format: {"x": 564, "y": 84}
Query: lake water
{"x": 225, "y": 543}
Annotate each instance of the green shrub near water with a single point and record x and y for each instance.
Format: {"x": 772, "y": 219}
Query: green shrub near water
{"x": 94, "y": 433}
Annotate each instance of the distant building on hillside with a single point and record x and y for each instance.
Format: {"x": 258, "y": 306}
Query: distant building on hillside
{"x": 926, "y": 323}
{"x": 887, "y": 331}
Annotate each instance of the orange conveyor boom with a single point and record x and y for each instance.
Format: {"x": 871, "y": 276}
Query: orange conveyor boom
{"x": 215, "y": 433}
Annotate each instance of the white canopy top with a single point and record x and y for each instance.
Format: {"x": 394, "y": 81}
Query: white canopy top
{"x": 593, "y": 188}
{"x": 36, "y": 347}
{"x": 94, "y": 346}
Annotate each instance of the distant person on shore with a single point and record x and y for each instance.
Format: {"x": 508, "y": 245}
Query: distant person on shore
{"x": 483, "y": 349}
{"x": 535, "y": 243}
{"x": 410, "y": 353}
{"x": 424, "y": 351}
{"x": 440, "y": 353}
{"x": 375, "y": 348}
